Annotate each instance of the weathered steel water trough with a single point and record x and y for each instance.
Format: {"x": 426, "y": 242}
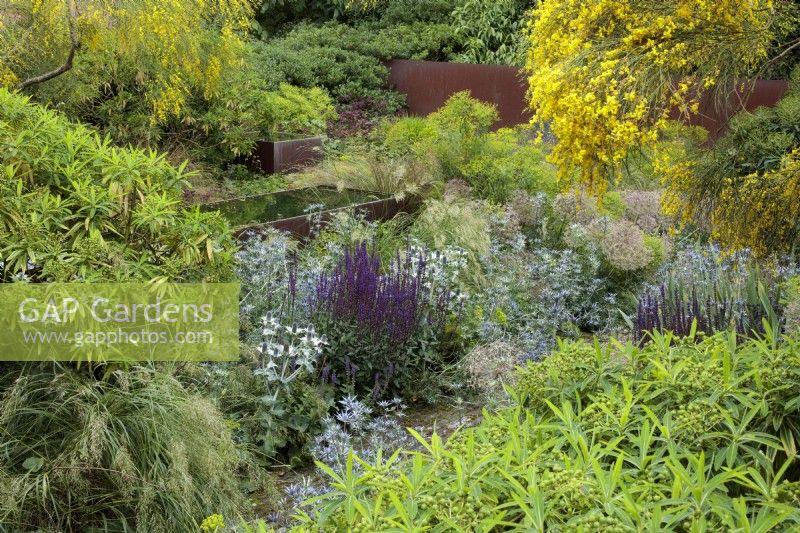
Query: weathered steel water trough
{"x": 298, "y": 211}
{"x": 286, "y": 154}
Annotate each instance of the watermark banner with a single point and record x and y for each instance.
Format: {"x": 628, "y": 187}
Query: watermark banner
{"x": 119, "y": 322}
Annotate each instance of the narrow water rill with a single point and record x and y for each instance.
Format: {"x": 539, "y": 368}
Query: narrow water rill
{"x": 263, "y": 208}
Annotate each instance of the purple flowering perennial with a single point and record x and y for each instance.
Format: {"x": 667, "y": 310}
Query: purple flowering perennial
{"x": 385, "y": 305}
{"x": 665, "y": 310}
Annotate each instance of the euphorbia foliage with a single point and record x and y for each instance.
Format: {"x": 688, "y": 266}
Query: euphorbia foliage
{"x": 608, "y": 74}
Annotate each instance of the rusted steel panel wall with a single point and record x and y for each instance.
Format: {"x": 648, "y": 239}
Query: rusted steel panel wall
{"x": 714, "y": 116}
{"x": 427, "y": 85}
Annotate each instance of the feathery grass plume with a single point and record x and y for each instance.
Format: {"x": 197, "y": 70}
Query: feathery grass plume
{"x": 136, "y": 450}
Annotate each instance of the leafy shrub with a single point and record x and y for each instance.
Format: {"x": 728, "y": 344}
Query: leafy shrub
{"x": 74, "y": 207}
{"x": 274, "y": 14}
{"x": 392, "y": 12}
{"x": 248, "y": 114}
{"x": 215, "y": 127}
{"x": 461, "y": 125}
{"x": 508, "y": 162}
{"x": 277, "y": 14}
{"x": 491, "y": 31}
{"x": 670, "y": 437}
{"x": 347, "y": 60}
{"x": 409, "y": 135}
{"x": 133, "y": 451}
{"x": 496, "y": 165}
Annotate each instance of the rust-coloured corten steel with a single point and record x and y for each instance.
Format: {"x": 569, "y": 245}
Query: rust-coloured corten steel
{"x": 274, "y": 157}
{"x": 714, "y": 116}
{"x": 427, "y": 85}
{"x": 301, "y": 226}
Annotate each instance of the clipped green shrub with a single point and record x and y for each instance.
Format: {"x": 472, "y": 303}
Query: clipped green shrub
{"x": 347, "y": 61}
{"x": 74, "y": 207}
{"x": 135, "y": 451}
{"x": 675, "y": 436}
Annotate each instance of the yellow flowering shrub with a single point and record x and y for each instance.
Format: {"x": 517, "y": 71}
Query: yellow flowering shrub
{"x": 175, "y": 46}
{"x": 609, "y": 74}
{"x": 762, "y": 211}
{"x": 744, "y": 190}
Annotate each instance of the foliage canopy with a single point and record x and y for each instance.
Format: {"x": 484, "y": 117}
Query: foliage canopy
{"x": 173, "y": 47}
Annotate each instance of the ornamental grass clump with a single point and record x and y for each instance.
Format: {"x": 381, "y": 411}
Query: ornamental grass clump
{"x": 135, "y": 451}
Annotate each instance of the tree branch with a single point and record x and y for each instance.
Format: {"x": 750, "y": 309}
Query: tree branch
{"x": 73, "y": 39}
{"x": 789, "y": 47}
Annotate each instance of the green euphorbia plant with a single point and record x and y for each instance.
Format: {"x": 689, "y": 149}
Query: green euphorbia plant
{"x": 72, "y": 206}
